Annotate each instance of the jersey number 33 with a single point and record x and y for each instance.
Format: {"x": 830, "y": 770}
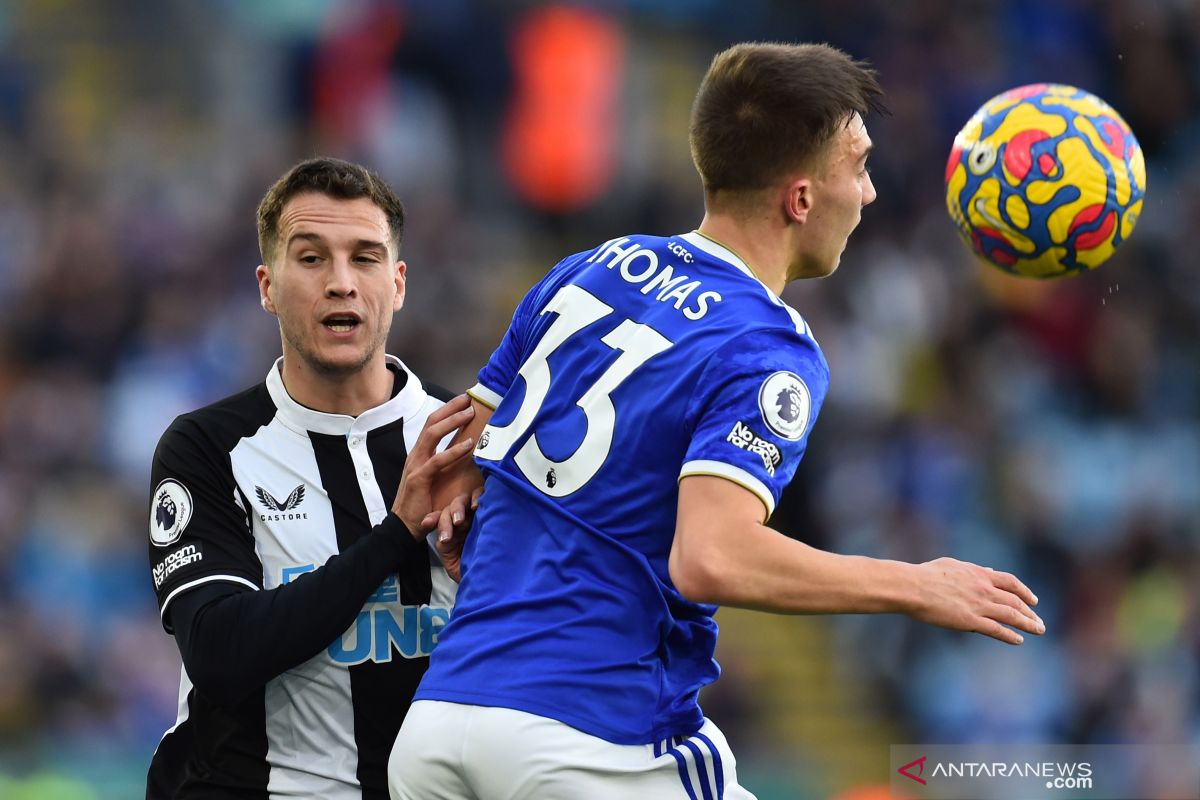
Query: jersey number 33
{"x": 576, "y": 309}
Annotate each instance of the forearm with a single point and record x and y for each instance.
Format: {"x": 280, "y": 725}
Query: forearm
{"x": 233, "y": 644}
{"x": 723, "y": 553}
{"x": 759, "y": 568}
{"x": 464, "y": 477}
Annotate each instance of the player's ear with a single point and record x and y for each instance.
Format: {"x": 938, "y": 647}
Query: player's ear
{"x": 401, "y": 274}
{"x": 263, "y": 273}
{"x": 797, "y": 200}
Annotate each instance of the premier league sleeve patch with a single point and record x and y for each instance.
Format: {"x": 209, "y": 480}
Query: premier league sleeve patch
{"x": 170, "y": 512}
{"x": 786, "y": 405}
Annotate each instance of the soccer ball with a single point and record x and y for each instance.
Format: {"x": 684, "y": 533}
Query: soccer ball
{"x": 1045, "y": 181}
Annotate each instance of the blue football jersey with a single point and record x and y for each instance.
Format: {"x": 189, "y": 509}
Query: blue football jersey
{"x": 625, "y": 369}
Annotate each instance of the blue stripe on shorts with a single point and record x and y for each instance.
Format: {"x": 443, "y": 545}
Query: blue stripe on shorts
{"x": 684, "y": 777}
{"x": 701, "y": 770}
{"x": 717, "y": 769}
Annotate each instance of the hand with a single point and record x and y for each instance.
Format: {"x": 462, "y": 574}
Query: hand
{"x": 414, "y": 498}
{"x": 967, "y": 597}
{"x": 453, "y": 523}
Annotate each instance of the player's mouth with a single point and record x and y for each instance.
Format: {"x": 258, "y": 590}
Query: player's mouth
{"x": 342, "y": 322}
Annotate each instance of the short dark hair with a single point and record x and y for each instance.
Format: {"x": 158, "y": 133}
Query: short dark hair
{"x": 765, "y": 109}
{"x": 331, "y": 177}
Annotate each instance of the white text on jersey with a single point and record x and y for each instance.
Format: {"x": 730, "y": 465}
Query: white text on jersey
{"x": 383, "y": 627}
{"x": 639, "y": 265}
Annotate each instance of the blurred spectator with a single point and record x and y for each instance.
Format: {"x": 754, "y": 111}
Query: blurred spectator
{"x": 1050, "y": 429}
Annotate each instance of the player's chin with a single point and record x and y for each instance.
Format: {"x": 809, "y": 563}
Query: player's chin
{"x": 827, "y": 267}
{"x": 342, "y": 359}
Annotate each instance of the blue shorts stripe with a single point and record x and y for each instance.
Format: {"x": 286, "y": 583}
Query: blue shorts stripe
{"x": 701, "y": 770}
{"x": 684, "y": 777}
{"x": 717, "y": 769}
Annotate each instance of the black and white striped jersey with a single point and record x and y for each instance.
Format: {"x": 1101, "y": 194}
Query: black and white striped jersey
{"x": 257, "y": 492}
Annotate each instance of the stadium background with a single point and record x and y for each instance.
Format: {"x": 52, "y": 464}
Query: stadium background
{"x": 1050, "y": 429}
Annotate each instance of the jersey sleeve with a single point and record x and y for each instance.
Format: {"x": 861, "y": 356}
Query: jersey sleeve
{"x": 497, "y": 376}
{"x": 199, "y": 529}
{"x": 753, "y": 409}
{"x": 498, "y": 373}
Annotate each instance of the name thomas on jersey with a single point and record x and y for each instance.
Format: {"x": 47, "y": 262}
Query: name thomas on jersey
{"x": 639, "y": 265}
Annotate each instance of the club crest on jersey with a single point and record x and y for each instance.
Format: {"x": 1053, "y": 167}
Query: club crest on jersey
{"x": 785, "y": 404}
{"x": 280, "y": 507}
{"x": 170, "y": 512}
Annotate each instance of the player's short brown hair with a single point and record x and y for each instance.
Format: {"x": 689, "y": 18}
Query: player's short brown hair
{"x": 766, "y": 109}
{"x": 331, "y": 177}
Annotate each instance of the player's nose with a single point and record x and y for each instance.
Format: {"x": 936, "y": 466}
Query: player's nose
{"x": 868, "y": 191}
{"x": 340, "y": 280}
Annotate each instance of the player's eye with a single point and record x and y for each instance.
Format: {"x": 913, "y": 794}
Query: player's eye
{"x": 982, "y": 157}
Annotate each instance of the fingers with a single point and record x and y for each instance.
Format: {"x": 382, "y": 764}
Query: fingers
{"x": 1012, "y": 601}
{"x": 1013, "y": 617}
{"x": 475, "y": 495}
{"x": 1010, "y": 583}
{"x": 447, "y": 458}
{"x": 989, "y": 627}
{"x": 452, "y": 517}
{"x": 450, "y": 417}
{"x": 448, "y": 410}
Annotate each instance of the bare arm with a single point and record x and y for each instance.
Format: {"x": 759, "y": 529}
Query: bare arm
{"x": 724, "y": 554}
{"x": 441, "y": 490}
{"x": 464, "y": 477}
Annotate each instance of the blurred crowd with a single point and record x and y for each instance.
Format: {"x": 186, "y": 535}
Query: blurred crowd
{"x": 1050, "y": 429}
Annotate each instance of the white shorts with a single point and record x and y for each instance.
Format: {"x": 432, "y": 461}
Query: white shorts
{"x": 449, "y": 751}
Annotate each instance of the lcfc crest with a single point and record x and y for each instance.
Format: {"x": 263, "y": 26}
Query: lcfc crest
{"x": 785, "y": 404}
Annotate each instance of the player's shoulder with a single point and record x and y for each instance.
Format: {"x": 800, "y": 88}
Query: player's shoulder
{"x": 219, "y": 426}
{"x": 780, "y": 344}
{"x": 427, "y": 398}
{"x": 436, "y": 392}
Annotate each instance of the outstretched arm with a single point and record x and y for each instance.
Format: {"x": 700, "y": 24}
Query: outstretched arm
{"x": 724, "y": 554}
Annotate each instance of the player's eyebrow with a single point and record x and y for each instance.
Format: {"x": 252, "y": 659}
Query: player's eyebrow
{"x": 370, "y": 244}
{"x": 305, "y": 237}
{"x": 863, "y": 156}
{"x": 316, "y": 238}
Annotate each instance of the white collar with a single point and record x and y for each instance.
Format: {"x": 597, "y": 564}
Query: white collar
{"x": 716, "y": 250}
{"x": 702, "y": 242}
{"x": 302, "y": 419}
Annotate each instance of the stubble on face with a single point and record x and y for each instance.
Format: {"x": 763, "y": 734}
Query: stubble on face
{"x": 333, "y": 229}
{"x": 328, "y": 367}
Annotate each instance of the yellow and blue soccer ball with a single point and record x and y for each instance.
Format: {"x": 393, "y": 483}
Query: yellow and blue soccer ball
{"x": 1045, "y": 181}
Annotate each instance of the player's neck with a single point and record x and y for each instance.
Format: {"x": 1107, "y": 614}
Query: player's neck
{"x": 763, "y": 246}
{"x": 344, "y": 393}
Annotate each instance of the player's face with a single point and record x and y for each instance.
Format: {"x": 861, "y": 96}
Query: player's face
{"x": 335, "y": 283}
{"x": 838, "y": 196}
